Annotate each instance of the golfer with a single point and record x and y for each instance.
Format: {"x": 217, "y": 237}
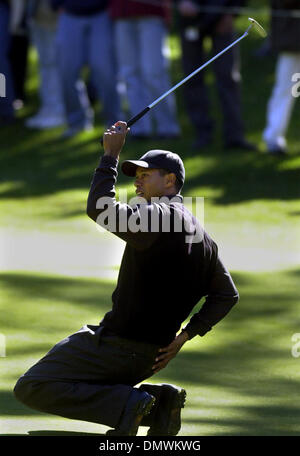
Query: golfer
{"x": 169, "y": 264}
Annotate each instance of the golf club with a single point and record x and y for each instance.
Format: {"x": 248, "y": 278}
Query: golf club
{"x": 261, "y": 31}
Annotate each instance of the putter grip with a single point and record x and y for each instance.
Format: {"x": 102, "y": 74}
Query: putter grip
{"x": 134, "y": 119}
{"x": 137, "y": 117}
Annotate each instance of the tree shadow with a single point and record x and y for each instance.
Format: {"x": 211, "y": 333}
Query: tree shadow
{"x": 32, "y": 289}
{"x": 55, "y": 434}
{"x": 240, "y": 178}
{"x": 64, "y": 433}
{"x": 242, "y": 364}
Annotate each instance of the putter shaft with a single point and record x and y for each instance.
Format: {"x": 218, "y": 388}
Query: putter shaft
{"x": 260, "y": 30}
{"x": 138, "y": 116}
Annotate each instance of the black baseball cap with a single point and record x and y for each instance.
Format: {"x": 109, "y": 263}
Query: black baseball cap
{"x": 156, "y": 159}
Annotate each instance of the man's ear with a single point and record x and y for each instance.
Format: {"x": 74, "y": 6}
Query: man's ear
{"x": 171, "y": 179}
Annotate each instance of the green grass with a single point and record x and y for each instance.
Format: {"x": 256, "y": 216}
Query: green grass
{"x": 241, "y": 377}
{"x": 58, "y": 271}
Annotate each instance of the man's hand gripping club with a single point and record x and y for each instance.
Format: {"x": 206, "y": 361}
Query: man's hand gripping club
{"x": 114, "y": 139}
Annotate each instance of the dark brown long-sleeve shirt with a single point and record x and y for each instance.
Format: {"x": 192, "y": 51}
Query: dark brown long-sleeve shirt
{"x": 165, "y": 271}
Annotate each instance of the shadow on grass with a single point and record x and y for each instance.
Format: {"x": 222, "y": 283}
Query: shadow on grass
{"x": 63, "y": 433}
{"x": 46, "y": 169}
{"x": 242, "y": 363}
{"x": 57, "y": 434}
{"x": 76, "y": 290}
{"x": 259, "y": 421}
{"x": 40, "y": 301}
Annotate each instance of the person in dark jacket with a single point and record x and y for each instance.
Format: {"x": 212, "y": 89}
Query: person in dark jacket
{"x": 19, "y": 51}
{"x": 169, "y": 264}
{"x": 84, "y": 37}
{"x": 285, "y": 41}
{"x": 197, "y": 20}
{"x": 7, "y": 96}
{"x": 140, "y": 31}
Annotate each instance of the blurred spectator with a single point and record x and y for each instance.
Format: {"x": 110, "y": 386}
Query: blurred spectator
{"x": 6, "y": 81}
{"x": 195, "y": 25}
{"x": 18, "y": 54}
{"x": 43, "y": 22}
{"x": 140, "y": 33}
{"x": 265, "y": 49}
{"x": 85, "y": 37}
{"x": 285, "y": 38}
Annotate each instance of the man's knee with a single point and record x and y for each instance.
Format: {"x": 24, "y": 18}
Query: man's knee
{"x": 24, "y": 391}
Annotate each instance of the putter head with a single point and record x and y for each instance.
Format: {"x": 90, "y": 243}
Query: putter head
{"x": 258, "y": 27}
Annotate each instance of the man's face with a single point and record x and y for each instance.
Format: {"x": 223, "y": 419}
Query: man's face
{"x": 149, "y": 183}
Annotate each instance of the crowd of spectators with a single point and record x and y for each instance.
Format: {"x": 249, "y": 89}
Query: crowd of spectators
{"x": 122, "y": 43}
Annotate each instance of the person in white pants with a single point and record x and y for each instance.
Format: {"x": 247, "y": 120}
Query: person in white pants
{"x": 43, "y": 24}
{"x": 285, "y": 36}
{"x": 281, "y": 102}
{"x": 140, "y": 32}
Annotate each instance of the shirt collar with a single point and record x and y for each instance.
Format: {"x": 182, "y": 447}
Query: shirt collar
{"x": 176, "y": 195}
